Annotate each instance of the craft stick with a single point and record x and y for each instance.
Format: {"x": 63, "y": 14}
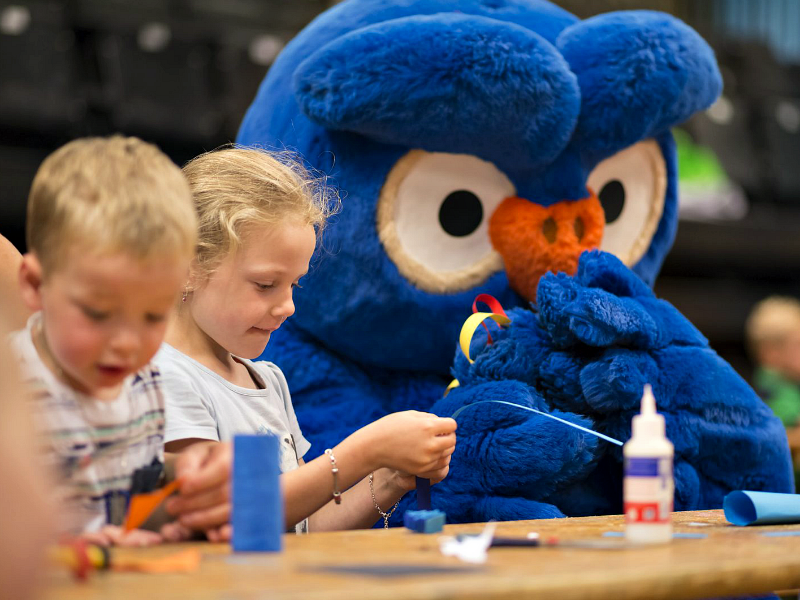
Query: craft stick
{"x": 423, "y": 494}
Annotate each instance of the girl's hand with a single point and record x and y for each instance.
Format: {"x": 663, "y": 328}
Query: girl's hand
{"x": 414, "y": 442}
{"x": 408, "y": 482}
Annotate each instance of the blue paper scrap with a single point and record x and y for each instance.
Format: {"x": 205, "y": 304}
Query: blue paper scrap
{"x": 395, "y": 570}
{"x": 757, "y": 508}
{"x": 678, "y": 535}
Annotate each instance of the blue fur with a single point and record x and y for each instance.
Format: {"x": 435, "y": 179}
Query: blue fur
{"x": 433, "y": 63}
{"x": 662, "y": 73}
{"x": 545, "y": 97}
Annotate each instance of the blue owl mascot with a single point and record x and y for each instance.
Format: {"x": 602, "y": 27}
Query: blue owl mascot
{"x": 506, "y": 147}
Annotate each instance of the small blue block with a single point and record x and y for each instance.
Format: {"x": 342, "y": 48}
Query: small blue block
{"x": 424, "y": 521}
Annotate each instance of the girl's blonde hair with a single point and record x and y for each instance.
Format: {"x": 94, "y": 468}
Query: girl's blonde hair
{"x": 235, "y": 188}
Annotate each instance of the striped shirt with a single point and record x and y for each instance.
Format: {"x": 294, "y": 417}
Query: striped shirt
{"x": 93, "y": 446}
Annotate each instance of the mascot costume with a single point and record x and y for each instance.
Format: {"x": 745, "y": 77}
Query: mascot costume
{"x": 506, "y": 147}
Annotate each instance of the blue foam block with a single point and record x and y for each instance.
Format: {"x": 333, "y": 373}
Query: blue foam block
{"x": 257, "y": 517}
{"x": 424, "y": 521}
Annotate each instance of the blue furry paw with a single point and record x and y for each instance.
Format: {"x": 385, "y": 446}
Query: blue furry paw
{"x": 515, "y": 352}
{"x": 508, "y": 451}
{"x": 479, "y": 507}
{"x": 605, "y": 304}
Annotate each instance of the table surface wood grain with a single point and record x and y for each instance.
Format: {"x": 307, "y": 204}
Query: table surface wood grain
{"x": 730, "y": 560}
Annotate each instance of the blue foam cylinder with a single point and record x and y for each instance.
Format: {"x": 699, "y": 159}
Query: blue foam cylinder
{"x": 257, "y": 504}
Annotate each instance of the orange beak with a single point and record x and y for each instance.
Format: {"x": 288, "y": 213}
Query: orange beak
{"x": 534, "y": 239}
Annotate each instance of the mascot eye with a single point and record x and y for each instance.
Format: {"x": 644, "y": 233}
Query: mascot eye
{"x": 461, "y": 213}
{"x": 612, "y": 197}
{"x": 631, "y": 186}
{"x": 433, "y": 216}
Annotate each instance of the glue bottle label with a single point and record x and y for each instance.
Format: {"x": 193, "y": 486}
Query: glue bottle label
{"x": 648, "y": 489}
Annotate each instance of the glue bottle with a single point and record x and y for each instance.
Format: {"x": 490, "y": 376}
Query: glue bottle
{"x": 649, "y": 488}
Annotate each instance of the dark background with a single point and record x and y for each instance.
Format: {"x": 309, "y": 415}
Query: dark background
{"x": 181, "y": 73}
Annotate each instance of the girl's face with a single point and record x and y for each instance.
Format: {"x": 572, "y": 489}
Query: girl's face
{"x": 250, "y": 294}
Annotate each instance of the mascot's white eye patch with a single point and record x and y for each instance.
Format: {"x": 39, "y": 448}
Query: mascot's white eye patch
{"x": 433, "y": 219}
{"x": 631, "y": 186}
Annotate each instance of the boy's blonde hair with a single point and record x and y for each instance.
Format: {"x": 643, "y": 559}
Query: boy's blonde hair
{"x": 235, "y": 188}
{"x": 772, "y": 320}
{"x": 109, "y": 195}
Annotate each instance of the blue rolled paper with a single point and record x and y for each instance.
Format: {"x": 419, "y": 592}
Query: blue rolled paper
{"x": 760, "y": 508}
{"x": 257, "y": 517}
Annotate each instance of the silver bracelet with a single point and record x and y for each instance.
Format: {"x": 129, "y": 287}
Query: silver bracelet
{"x": 385, "y": 515}
{"x": 337, "y": 495}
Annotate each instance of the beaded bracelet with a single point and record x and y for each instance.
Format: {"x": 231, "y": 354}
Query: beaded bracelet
{"x": 337, "y": 495}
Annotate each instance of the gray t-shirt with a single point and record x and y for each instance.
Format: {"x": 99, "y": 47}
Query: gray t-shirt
{"x": 202, "y": 404}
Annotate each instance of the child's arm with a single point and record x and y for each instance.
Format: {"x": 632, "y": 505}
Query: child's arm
{"x": 14, "y": 310}
{"x": 357, "y": 510}
{"x": 411, "y": 442}
{"x": 113, "y": 535}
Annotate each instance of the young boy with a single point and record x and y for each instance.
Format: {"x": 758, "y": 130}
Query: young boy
{"x": 773, "y": 333}
{"x": 110, "y": 231}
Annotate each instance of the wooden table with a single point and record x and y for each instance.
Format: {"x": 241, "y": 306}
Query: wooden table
{"x": 731, "y": 560}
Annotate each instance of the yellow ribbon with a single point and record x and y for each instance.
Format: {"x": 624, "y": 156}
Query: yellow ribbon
{"x": 453, "y": 384}
{"x": 472, "y": 323}
{"x": 468, "y": 330}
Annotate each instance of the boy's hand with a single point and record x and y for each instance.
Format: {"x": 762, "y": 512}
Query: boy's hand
{"x": 204, "y": 499}
{"x": 112, "y": 535}
{"x": 414, "y": 442}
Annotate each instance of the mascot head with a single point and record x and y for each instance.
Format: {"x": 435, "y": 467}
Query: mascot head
{"x": 477, "y": 144}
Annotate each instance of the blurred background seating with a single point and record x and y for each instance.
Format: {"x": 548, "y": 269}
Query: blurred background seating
{"x": 181, "y": 73}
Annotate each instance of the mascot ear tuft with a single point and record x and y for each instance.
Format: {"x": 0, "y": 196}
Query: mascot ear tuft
{"x": 439, "y": 82}
{"x": 640, "y": 72}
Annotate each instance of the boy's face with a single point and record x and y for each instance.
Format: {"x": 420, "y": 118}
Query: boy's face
{"x": 250, "y": 294}
{"x": 791, "y": 356}
{"x": 104, "y": 317}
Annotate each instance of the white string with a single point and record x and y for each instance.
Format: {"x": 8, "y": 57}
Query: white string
{"x": 539, "y": 412}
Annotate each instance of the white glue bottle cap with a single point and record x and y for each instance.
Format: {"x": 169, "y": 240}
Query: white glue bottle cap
{"x": 648, "y": 423}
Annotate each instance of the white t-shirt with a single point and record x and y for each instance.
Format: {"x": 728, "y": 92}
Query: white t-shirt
{"x": 93, "y": 446}
{"x": 202, "y": 404}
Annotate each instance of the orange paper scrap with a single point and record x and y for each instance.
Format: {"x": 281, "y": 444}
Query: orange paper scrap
{"x": 187, "y": 561}
{"x": 143, "y": 505}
